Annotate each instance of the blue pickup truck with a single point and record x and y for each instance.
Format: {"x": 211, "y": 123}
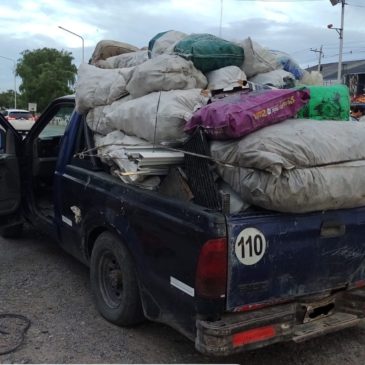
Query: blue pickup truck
{"x": 229, "y": 282}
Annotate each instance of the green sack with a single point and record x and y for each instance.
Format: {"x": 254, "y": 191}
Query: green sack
{"x": 209, "y": 52}
{"x": 327, "y": 103}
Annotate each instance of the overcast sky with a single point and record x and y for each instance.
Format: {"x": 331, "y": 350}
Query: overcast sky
{"x": 293, "y": 26}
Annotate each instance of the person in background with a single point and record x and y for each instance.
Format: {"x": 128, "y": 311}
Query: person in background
{"x": 357, "y": 114}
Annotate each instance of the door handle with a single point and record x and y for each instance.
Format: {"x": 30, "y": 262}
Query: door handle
{"x": 331, "y": 229}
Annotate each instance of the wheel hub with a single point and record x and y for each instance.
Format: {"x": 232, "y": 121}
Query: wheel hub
{"x": 115, "y": 277}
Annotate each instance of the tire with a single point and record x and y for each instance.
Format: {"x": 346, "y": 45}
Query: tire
{"x": 114, "y": 282}
{"x": 14, "y": 231}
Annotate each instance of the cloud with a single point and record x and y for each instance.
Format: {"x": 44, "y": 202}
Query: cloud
{"x": 294, "y": 27}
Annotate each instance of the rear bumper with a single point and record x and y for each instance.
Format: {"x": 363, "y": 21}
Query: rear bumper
{"x": 238, "y": 332}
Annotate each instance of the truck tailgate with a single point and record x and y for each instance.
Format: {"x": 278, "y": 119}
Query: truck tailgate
{"x": 275, "y": 257}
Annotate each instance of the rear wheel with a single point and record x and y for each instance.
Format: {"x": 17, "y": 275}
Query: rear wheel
{"x": 114, "y": 282}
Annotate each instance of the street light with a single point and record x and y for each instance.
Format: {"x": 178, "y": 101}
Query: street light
{"x": 77, "y": 35}
{"x": 340, "y": 33}
{"x": 14, "y": 71}
{"x": 221, "y": 18}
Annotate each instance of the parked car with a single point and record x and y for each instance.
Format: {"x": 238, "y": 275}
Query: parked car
{"x": 22, "y": 120}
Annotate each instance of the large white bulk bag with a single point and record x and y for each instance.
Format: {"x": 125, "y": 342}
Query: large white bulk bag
{"x": 95, "y": 118}
{"x": 110, "y": 150}
{"x": 97, "y": 86}
{"x": 257, "y": 59}
{"x": 108, "y": 48}
{"x": 165, "y": 43}
{"x": 124, "y": 60}
{"x": 277, "y": 78}
{"x": 299, "y": 191}
{"x": 311, "y": 78}
{"x": 297, "y": 166}
{"x": 226, "y": 77}
{"x": 164, "y": 73}
{"x": 156, "y": 117}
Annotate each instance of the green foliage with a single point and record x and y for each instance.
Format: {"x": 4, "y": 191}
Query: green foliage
{"x": 7, "y": 99}
{"x": 46, "y": 74}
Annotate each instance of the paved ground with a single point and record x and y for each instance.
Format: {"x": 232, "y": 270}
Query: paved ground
{"x": 52, "y": 289}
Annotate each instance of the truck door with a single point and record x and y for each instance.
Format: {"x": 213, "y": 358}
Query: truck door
{"x": 10, "y": 192}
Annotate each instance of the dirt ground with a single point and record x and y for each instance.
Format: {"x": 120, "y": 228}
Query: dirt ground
{"x": 41, "y": 282}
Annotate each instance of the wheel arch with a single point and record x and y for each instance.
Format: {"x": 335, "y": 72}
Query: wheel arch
{"x": 90, "y": 239}
{"x": 94, "y": 232}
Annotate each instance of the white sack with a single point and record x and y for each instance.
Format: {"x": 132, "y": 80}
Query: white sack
{"x": 110, "y": 151}
{"x": 109, "y": 145}
{"x": 124, "y": 60}
{"x": 164, "y": 73}
{"x": 96, "y": 120}
{"x": 276, "y": 78}
{"x": 226, "y": 77}
{"x": 160, "y": 114}
{"x": 108, "y": 48}
{"x": 166, "y": 43}
{"x": 96, "y": 86}
{"x": 103, "y": 64}
{"x": 257, "y": 59}
{"x": 297, "y": 166}
{"x": 300, "y": 191}
{"x": 311, "y": 78}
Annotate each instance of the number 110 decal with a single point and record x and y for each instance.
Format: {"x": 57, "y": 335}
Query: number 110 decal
{"x": 250, "y": 246}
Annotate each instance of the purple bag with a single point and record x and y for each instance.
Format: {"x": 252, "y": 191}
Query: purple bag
{"x": 237, "y": 115}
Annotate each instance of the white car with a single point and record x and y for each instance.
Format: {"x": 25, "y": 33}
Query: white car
{"x": 22, "y": 120}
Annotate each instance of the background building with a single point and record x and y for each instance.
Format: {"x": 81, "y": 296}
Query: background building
{"x": 329, "y": 70}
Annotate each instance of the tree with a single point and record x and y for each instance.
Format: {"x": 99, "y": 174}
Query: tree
{"x": 7, "y": 99}
{"x": 46, "y": 74}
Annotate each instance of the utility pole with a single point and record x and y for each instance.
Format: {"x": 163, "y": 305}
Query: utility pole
{"x": 320, "y": 51}
{"x": 340, "y": 33}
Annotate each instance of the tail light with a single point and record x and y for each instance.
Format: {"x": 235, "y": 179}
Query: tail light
{"x": 253, "y": 335}
{"x": 211, "y": 274}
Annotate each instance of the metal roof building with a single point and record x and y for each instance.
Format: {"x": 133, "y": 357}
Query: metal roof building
{"x": 329, "y": 70}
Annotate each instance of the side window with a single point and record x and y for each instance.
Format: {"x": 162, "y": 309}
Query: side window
{"x": 47, "y": 143}
{"x": 57, "y": 125}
